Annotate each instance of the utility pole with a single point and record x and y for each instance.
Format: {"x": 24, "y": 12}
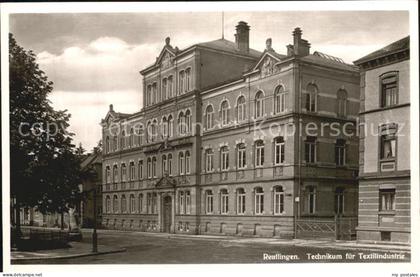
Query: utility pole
{"x": 94, "y": 235}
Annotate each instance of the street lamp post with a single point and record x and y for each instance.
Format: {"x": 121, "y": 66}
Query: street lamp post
{"x": 94, "y": 235}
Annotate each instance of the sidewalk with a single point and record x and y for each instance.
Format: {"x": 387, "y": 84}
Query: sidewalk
{"x": 340, "y": 245}
{"x": 77, "y": 249}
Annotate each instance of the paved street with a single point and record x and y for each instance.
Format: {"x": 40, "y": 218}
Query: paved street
{"x": 144, "y": 248}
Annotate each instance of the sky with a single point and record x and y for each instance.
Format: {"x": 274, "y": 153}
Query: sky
{"x": 94, "y": 59}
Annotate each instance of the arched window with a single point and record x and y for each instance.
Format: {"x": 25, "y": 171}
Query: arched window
{"x": 187, "y": 202}
{"x": 140, "y": 135}
{"x": 115, "y": 143}
{"x": 170, "y": 86}
{"x": 209, "y": 160}
{"x": 122, "y": 143}
{"x": 181, "y": 201}
{"x": 131, "y": 140}
{"x": 149, "y": 168}
{"x": 311, "y": 98}
{"x": 154, "y": 130}
{"x": 149, "y": 131}
{"x": 224, "y": 112}
{"x": 279, "y": 100}
{"x": 224, "y": 201}
{"x": 278, "y": 200}
{"x": 154, "y": 93}
{"x": 188, "y": 121}
{"x": 149, "y": 205}
{"x": 341, "y": 103}
{"x": 241, "y": 157}
{"x": 224, "y": 158}
{"x": 259, "y": 153}
{"x": 107, "y": 145}
{"x": 259, "y": 200}
{"x": 170, "y": 164}
{"x": 115, "y": 173}
{"x": 164, "y": 165}
{"x": 240, "y": 201}
{"x": 123, "y": 204}
{"x": 209, "y": 202}
{"x": 181, "y": 82}
{"x": 187, "y": 162}
{"x": 164, "y": 88}
{"x": 188, "y": 79}
{"x": 149, "y": 95}
{"x": 140, "y": 203}
{"x": 154, "y": 167}
{"x": 181, "y": 163}
{"x": 108, "y": 204}
{"x": 132, "y": 204}
{"x": 209, "y": 117}
{"x": 132, "y": 171}
{"x": 181, "y": 123}
{"x": 170, "y": 126}
{"x": 164, "y": 127}
{"x": 279, "y": 151}
{"x": 115, "y": 204}
{"x": 141, "y": 170}
{"x": 123, "y": 173}
{"x": 259, "y": 104}
{"x": 241, "y": 109}
{"x": 107, "y": 175}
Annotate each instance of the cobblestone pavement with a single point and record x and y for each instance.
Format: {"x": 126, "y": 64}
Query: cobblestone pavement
{"x": 144, "y": 248}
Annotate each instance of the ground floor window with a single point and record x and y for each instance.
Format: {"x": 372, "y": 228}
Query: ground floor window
{"x": 259, "y": 201}
{"x": 278, "y": 200}
{"x": 209, "y": 202}
{"x": 339, "y": 201}
{"x": 311, "y": 199}
{"x": 387, "y": 199}
{"x": 240, "y": 201}
{"x": 224, "y": 201}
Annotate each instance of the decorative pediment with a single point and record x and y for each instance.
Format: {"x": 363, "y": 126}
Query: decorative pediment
{"x": 266, "y": 65}
{"x": 166, "y": 56}
{"x": 166, "y": 182}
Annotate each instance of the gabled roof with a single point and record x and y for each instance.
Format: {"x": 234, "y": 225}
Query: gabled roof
{"x": 278, "y": 57}
{"x": 229, "y": 46}
{"x": 394, "y": 47}
{"x": 92, "y": 158}
{"x": 114, "y": 116}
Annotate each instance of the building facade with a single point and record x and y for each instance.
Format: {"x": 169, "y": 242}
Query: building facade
{"x": 384, "y": 188}
{"x": 234, "y": 141}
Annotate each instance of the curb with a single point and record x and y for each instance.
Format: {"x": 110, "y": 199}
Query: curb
{"x": 68, "y": 256}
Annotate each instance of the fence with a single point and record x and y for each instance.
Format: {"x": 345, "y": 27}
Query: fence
{"x": 337, "y": 228}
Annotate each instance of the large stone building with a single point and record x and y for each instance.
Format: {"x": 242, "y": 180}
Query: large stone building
{"x": 225, "y": 142}
{"x": 384, "y": 189}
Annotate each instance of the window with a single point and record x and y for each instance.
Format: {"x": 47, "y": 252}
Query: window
{"x": 108, "y": 175}
{"x": 259, "y": 153}
{"x": 188, "y": 121}
{"x": 209, "y": 160}
{"x": 140, "y": 136}
{"x": 259, "y": 104}
{"x": 259, "y": 201}
{"x": 115, "y": 143}
{"x": 141, "y": 170}
{"x": 123, "y": 204}
{"x": 170, "y": 164}
{"x": 170, "y": 126}
{"x": 278, "y": 151}
{"x": 224, "y": 156}
{"x": 388, "y": 144}
{"x": 149, "y": 203}
{"x": 187, "y": 202}
{"x": 389, "y": 87}
{"x": 240, "y": 202}
{"x": 340, "y": 152}
{"x": 241, "y": 156}
{"x": 154, "y": 130}
{"x": 122, "y": 140}
{"x": 241, "y": 109}
{"x": 123, "y": 173}
{"x": 311, "y": 199}
{"x": 341, "y": 103}
{"x": 154, "y": 167}
{"x": 224, "y": 201}
{"x": 108, "y": 204}
{"x": 131, "y": 139}
{"x": 154, "y": 202}
{"x": 339, "y": 201}
{"x": 278, "y": 200}
{"x": 132, "y": 204}
{"x": 311, "y": 98}
{"x": 188, "y": 79}
{"x": 115, "y": 174}
{"x": 107, "y": 145}
{"x": 164, "y": 88}
{"x": 209, "y": 202}
{"x": 181, "y": 123}
{"x": 279, "y": 100}
{"x": 154, "y": 93}
{"x": 149, "y": 94}
{"x": 181, "y": 163}
{"x": 209, "y": 117}
{"x": 164, "y": 127}
{"x": 181, "y": 82}
{"x": 115, "y": 204}
{"x": 310, "y": 149}
{"x": 224, "y": 111}
{"x": 181, "y": 202}
{"x": 170, "y": 86}
{"x": 387, "y": 199}
{"x": 140, "y": 203}
{"x": 149, "y": 132}
{"x": 149, "y": 168}
{"x": 164, "y": 165}
{"x": 187, "y": 162}
{"x": 132, "y": 171}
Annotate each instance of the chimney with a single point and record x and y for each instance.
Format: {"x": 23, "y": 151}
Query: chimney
{"x": 242, "y": 37}
{"x": 111, "y": 108}
{"x": 300, "y": 46}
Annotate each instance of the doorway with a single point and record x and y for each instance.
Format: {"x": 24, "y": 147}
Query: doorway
{"x": 167, "y": 214}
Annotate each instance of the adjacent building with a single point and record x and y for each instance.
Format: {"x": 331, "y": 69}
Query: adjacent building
{"x": 384, "y": 183}
{"x": 234, "y": 141}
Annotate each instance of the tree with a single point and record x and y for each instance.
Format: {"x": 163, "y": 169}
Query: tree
{"x": 44, "y": 167}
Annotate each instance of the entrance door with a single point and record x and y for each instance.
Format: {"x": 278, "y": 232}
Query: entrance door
{"x": 167, "y": 214}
